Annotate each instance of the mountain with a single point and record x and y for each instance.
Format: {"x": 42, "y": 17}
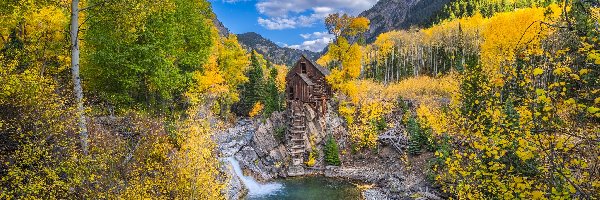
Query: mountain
{"x": 388, "y": 15}
{"x": 223, "y": 31}
{"x": 273, "y": 52}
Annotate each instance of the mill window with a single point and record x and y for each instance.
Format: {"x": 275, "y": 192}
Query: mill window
{"x": 291, "y": 93}
{"x": 303, "y": 67}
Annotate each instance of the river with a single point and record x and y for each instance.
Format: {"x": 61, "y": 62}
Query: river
{"x": 313, "y": 187}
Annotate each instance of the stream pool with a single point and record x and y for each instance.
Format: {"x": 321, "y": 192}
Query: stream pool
{"x": 308, "y": 188}
{"x": 300, "y": 188}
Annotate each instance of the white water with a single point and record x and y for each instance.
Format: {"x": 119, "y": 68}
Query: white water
{"x": 255, "y": 189}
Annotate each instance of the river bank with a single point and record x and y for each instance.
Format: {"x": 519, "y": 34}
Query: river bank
{"x": 382, "y": 174}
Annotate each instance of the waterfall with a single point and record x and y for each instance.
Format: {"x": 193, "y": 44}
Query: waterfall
{"x": 255, "y": 189}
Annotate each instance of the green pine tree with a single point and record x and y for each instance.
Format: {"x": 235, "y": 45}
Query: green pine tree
{"x": 416, "y": 138}
{"x": 273, "y": 100}
{"x": 332, "y": 155}
{"x": 253, "y": 90}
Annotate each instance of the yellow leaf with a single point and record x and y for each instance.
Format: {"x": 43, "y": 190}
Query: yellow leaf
{"x": 538, "y": 71}
{"x": 592, "y": 109}
{"x": 537, "y": 194}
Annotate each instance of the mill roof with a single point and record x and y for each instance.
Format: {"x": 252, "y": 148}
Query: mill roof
{"x": 306, "y": 79}
{"x": 322, "y": 69}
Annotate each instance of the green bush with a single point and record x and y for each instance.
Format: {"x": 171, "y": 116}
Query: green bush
{"x": 416, "y": 136}
{"x": 380, "y": 124}
{"x": 279, "y": 133}
{"x": 332, "y": 155}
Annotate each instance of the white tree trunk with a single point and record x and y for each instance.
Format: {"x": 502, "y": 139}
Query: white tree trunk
{"x": 83, "y": 134}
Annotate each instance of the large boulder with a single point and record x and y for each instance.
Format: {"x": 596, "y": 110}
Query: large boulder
{"x": 264, "y": 140}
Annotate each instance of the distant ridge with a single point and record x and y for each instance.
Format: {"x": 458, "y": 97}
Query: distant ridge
{"x": 388, "y": 15}
{"x": 272, "y": 51}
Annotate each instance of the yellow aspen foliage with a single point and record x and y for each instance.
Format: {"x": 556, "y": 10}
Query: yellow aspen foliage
{"x": 358, "y": 25}
{"x": 161, "y": 169}
{"x": 385, "y": 42}
{"x": 506, "y": 32}
{"x": 282, "y": 71}
{"x": 46, "y": 24}
{"x": 232, "y": 61}
{"x": 346, "y": 58}
{"x": 432, "y": 117}
{"x": 37, "y": 117}
{"x": 256, "y": 109}
{"x": 424, "y": 89}
{"x": 365, "y": 102}
{"x": 524, "y": 98}
{"x": 509, "y": 135}
{"x": 196, "y": 164}
{"x": 216, "y": 86}
{"x": 311, "y": 159}
{"x": 324, "y": 60}
{"x": 210, "y": 83}
{"x": 347, "y": 111}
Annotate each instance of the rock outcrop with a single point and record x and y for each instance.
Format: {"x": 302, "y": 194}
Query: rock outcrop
{"x": 254, "y": 145}
{"x": 318, "y": 128}
{"x": 388, "y": 15}
{"x": 265, "y": 154}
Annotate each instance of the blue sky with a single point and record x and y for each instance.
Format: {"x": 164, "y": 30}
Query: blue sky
{"x": 292, "y": 23}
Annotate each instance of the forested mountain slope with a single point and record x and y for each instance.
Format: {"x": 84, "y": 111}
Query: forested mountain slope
{"x": 389, "y": 15}
{"x": 272, "y": 51}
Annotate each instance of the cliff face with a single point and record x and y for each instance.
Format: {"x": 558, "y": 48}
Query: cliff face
{"x": 388, "y": 15}
{"x": 223, "y": 31}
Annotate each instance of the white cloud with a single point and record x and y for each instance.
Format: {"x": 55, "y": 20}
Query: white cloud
{"x": 279, "y": 8}
{"x": 277, "y": 23}
{"x": 312, "y": 45}
{"x": 233, "y": 1}
{"x": 315, "y": 35}
{"x": 315, "y": 42}
{"x": 288, "y": 14}
{"x": 325, "y": 10}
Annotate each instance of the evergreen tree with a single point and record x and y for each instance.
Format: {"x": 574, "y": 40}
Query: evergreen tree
{"x": 273, "y": 97}
{"x": 253, "y": 90}
{"x": 416, "y": 138}
{"x": 332, "y": 156}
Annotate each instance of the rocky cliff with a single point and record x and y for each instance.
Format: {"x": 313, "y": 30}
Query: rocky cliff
{"x": 223, "y": 31}
{"x": 261, "y": 149}
{"x": 388, "y": 15}
{"x": 265, "y": 154}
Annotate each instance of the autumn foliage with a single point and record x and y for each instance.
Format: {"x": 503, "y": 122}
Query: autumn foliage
{"x": 508, "y": 101}
{"x": 158, "y": 79}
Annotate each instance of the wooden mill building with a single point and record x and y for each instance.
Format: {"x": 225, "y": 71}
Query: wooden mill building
{"x": 305, "y": 85}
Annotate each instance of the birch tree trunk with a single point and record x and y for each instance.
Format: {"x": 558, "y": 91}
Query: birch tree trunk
{"x": 83, "y": 134}
{"x": 385, "y": 73}
{"x": 393, "y": 65}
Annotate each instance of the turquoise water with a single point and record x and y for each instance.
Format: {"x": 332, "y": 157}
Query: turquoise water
{"x": 308, "y": 188}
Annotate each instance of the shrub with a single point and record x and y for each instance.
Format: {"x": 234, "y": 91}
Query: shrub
{"x": 417, "y": 138}
{"x": 332, "y": 155}
{"x": 279, "y": 133}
